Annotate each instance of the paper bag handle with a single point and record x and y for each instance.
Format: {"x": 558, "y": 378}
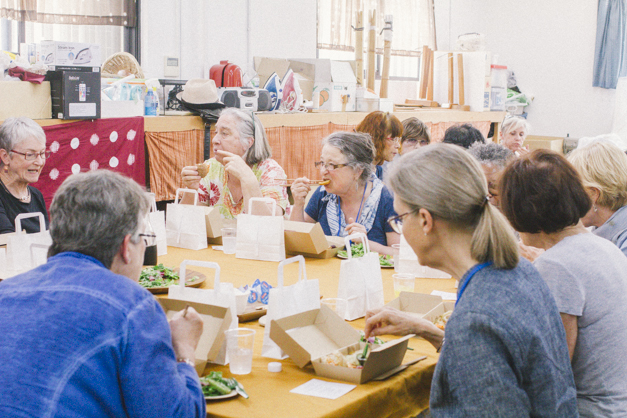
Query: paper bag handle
{"x": 195, "y": 192}
{"x": 302, "y": 273}
{"x": 18, "y": 221}
{"x": 261, "y": 199}
{"x": 153, "y": 202}
{"x": 209, "y": 264}
{"x": 347, "y": 242}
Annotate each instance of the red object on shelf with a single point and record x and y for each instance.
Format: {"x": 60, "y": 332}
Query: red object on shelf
{"x": 226, "y": 74}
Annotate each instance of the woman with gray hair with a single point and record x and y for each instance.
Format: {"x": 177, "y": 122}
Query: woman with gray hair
{"x": 23, "y": 154}
{"x": 241, "y": 168}
{"x": 352, "y": 198}
{"x": 503, "y": 352}
{"x": 493, "y": 159}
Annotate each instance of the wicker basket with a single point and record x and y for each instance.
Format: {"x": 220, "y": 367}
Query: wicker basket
{"x": 121, "y": 61}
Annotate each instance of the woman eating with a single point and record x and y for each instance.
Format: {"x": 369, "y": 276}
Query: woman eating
{"x": 23, "y": 154}
{"x": 514, "y": 131}
{"x": 543, "y": 198}
{"x": 603, "y": 170}
{"x": 505, "y": 350}
{"x": 353, "y": 199}
{"x": 385, "y": 130}
{"x": 242, "y": 167}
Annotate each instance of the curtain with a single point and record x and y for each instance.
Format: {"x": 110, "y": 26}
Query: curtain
{"x": 413, "y": 24}
{"x": 610, "y": 57}
{"x": 72, "y": 12}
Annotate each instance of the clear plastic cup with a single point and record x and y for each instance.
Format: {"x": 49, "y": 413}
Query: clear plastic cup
{"x": 403, "y": 283}
{"x": 239, "y": 348}
{"x": 229, "y": 236}
{"x": 337, "y": 305}
{"x": 397, "y": 250}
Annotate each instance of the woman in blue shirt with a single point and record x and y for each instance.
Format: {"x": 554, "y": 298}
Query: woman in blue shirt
{"x": 504, "y": 350}
{"x": 354, "y": 199}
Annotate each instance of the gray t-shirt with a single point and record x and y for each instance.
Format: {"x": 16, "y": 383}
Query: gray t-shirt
{"x": 588, "y": 278}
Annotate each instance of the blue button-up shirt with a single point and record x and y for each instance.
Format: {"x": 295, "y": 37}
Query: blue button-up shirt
{"x": 77, "y": 340}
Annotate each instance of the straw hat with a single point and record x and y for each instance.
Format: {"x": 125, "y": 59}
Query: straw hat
{"x": 201, "y": 94}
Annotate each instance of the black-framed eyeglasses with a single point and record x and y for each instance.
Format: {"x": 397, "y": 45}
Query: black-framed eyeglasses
{"x": 329, "y": 166}
{"x": 32, "y": 156}
{"x": 149, "y": 239}
{"x": 396, "y": 222}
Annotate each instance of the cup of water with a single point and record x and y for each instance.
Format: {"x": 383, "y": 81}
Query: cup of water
{"x": 403, "y": 283}
{"x": 239, "y": 348}
{"x": 337, "y": 305}
{"x": 229, "y": 236}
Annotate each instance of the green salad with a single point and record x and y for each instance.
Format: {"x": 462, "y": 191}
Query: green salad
{"x": 357, "y": 250}
{"x": 160, "y": 276}
{"x": 215, "y": 385}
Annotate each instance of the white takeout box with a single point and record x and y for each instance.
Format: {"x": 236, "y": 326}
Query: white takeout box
{"x": 308, "y": 336}
{"x": 216, "y": 320}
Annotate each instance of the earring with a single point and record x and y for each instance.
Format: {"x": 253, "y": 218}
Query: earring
{"x": 594, "y": 207}
{"x": 6, "y": 168}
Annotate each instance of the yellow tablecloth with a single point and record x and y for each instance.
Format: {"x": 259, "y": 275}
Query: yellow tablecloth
{"x": 403, "y": 395}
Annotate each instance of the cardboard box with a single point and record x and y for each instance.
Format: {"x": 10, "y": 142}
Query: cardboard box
{"x": 23, "y": 98}
{"x": 213, "y": 222}
{"x": 75, "y": 94}
{"x": 71, "y": 54}
{"x": 308, "y": 239}
{"x": 439, "y": 310}
{"x": 545, "y": 142}
{"x": 308, "y": 336}
{"x": 417, "y": 304}
{"x": 216, "y": 320}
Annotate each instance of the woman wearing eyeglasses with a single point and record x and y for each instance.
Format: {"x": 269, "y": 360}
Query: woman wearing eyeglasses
{"x": 23, "y": 155}
{"x": 504, "y": 352}
{"x": 385, "y": 130}
{"x": 354, "y": 200}
{"x": 415, "y": 135}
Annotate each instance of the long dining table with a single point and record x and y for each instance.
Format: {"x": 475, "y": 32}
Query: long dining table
{"x": 404, "y": 394}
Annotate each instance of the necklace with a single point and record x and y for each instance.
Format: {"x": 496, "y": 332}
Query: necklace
{"x": 22, "y": 198}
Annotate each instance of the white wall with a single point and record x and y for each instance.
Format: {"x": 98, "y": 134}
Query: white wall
{"x": 550, "y": 47}
{"x": 203, "y": 32}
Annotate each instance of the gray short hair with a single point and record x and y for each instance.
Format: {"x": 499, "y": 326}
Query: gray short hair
{"x": 15, "y": 130}
{"x": 92, "y": 212}
{"x": 491, "y": 154}
{"x": 249, "y": 125}
{"x": 357, "y": 147}
{"x": 446, "y": 181}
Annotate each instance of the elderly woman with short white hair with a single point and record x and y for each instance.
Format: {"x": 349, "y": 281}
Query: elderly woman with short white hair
{"x": 514, "y": 131}
{"x": 242, "y": 167}
{"x": 23, "y": 155}
{"x": 603, "y": 170}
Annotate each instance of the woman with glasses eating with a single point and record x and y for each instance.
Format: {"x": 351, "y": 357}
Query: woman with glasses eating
{"x": 503, "y": 351}
{"x": 23, "y": 154}
{"x": 352, "y": 198}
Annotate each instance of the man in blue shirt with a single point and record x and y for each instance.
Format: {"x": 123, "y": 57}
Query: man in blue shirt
{"x": 79, "y": 337}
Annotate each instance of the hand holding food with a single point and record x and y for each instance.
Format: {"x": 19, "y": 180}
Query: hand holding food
{"x": 300, "y": 188}
{"x": 191, "y": 177}
{"x": 202, "y": 170}
{"x": 390, "y": 321}
{"x": 186, "y": 328}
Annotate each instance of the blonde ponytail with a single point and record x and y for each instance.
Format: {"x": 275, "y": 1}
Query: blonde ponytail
{"x": 448, "y": 182}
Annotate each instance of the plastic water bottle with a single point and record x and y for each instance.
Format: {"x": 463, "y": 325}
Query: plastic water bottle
{"x": 150, "y": 104}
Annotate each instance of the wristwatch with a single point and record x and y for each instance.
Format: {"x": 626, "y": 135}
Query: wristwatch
{"x": 186, "y": 361}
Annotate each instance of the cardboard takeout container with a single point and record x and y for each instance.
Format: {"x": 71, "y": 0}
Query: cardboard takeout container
{"x": 309, "y": 240}
{"x": 216, "y": 320}
{"x": 308, "y": 336}
{"x": 418, "y": 304}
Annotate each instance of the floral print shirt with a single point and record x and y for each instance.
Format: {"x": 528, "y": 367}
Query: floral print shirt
{"x": 214, "y": 191}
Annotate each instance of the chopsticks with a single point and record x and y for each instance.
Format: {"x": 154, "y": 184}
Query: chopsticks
{"x": 185, "y": 311}
{"x": 319, "y": 182}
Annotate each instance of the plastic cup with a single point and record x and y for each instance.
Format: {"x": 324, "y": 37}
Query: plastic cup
{"x": 403, "y": 283}
{"x": 397, "y": 251}
{"x": 229, "y": 236}
{"x": 337, "y": 305}
{"x": 239, "y": 348}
